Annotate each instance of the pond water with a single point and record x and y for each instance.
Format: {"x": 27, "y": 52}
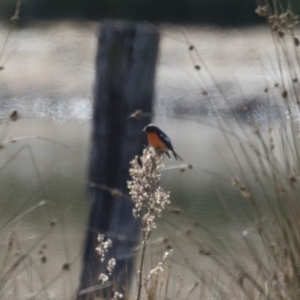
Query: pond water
{"x": 48, "y": 78}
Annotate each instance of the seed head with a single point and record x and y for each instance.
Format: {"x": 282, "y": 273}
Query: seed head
{"x": 244, "y": 191}
{"x": 136, "y": 114}
{"x": 292, "y": 178}
{"x": 111, "y": 265}
{"x": 117, "y": 296}
{"x": 66, "y": 267}
{"x": 103, "y": 246}
{"x": 148, "y": 197}
{"x": 175, "y": 210}
{"x": 284, "y": 94}
{"x": 204, "y": 252}
{"x": 262, "y": 11}
{"x": 235, "y": 181}
{"x": 53, "y": 222}
{"x": 103, "y": 278}
{"x": 14, "y": 115}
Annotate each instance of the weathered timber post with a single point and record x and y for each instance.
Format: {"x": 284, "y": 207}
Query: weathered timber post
{"x": 125, "y": 71}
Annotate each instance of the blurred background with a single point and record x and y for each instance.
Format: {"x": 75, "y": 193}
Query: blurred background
{"x": 229, "y": 13}
{"x": 47, "y": 75}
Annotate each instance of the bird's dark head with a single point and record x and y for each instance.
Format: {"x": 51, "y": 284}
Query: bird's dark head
{"x": 150, "y": 128}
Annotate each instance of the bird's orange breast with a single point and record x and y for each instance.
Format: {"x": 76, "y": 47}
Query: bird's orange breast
{"x": 156, "y": 142}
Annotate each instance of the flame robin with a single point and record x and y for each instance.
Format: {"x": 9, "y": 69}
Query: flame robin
{"x": 160, "y": 141}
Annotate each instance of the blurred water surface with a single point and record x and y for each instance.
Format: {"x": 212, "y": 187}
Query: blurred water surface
{"x": 48, "y": 78}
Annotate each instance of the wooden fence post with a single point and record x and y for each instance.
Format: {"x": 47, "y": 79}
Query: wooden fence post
{"x": 125, "y": 71}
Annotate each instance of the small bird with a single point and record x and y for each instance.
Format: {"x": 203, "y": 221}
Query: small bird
{"x": 160, "y": 141}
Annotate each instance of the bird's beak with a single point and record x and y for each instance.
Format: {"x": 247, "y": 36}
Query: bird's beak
{"x": 144, "y": 130}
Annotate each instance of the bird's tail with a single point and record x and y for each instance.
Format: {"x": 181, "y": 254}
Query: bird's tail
{"x": 177, "y": 156}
